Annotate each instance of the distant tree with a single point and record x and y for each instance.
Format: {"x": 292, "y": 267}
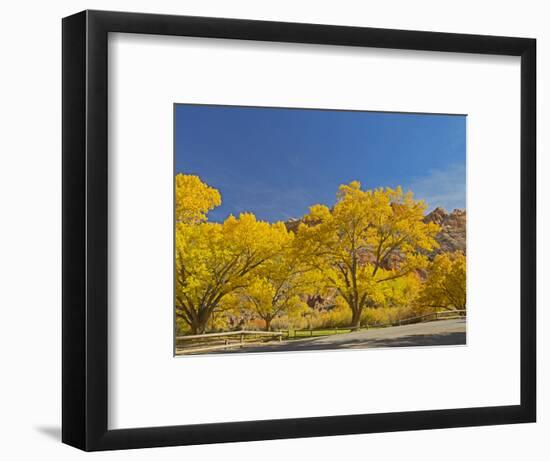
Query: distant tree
{"x": 280, "y": 285}
{"x": 445, "y": 286}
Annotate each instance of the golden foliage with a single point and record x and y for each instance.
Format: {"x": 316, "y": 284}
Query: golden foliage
{"x": 194, "y": 199}
{"x": 213, "y": 260}
{"x": 364, "y": 254}
{"x": 369, "y": 238}
{"x": 446, "y": 283}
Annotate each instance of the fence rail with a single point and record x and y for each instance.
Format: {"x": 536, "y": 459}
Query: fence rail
{"x": 339, "y": 330}
{"x": 434, "y": 316}
{"x": 230, "y": 333}
{"x": 309, "y": 332}
{"x": 223, "y": 341}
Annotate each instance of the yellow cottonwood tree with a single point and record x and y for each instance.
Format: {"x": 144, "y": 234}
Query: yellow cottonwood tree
{"x": 280, "y": 285}
{"x": 213, "y": 260}
{"x": 368, "y": 238}
{"x": 268, "y": 301}
{"x": 445, "y": 286}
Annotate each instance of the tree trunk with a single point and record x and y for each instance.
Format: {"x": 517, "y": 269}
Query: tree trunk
{"x": 356, "y": 318}
{"x": 198, "y": 326}
{"x": 196, "y": 329}
{"x": 267, "y": 324}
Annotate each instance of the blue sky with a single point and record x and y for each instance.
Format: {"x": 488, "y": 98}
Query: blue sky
{"x": 276, "y": 162}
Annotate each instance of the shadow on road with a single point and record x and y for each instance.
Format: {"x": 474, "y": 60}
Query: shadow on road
{"x": 445, "y": 339}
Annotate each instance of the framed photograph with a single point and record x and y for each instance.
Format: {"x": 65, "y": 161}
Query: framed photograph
{"x": 279, "y": 230}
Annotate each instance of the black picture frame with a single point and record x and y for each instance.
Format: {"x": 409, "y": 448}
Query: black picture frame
{"x": 85, "y": 219}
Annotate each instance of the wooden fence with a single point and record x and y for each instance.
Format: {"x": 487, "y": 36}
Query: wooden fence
{"x": 309, "y": 333}
{"x": 223, "y": 341}
{"x": 441, "y": 315}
